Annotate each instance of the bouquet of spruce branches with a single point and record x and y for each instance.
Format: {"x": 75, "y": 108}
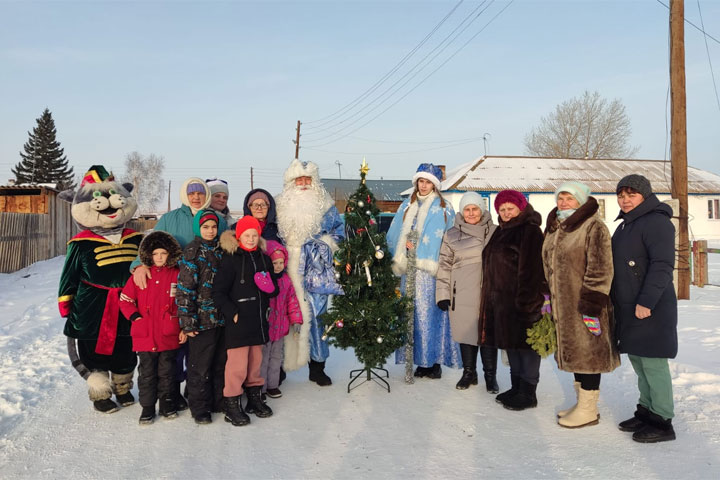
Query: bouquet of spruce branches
{"x": 541, "y": 336}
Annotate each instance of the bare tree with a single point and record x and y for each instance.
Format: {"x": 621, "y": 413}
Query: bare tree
{"x": 583, "y": 127}
{"x": 146, "y": 174}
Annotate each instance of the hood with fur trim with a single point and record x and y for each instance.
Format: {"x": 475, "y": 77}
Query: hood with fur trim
{"x": 229, "y": 243}
{"x": 158, "y": 239}
{"x": 184, "y": 197}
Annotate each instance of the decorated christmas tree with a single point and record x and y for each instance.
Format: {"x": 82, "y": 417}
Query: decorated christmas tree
{"x": 369, "y": 317}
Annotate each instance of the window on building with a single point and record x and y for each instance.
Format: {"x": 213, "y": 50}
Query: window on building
{"x": 601, "y": 208}
{"x": 714, "y": 209}
{"x": 486, "y": 200}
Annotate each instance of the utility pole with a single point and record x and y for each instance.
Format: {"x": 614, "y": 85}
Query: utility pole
{"x": 297, "y": 141}
{"x": 169, "y": 184}
{"x": 252, "y": 183}
{"x": 337, "y": 162}
{"x": 678, "y": 140}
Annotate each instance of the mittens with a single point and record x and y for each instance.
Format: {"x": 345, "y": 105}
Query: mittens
{"x": 592, "y": 324}
{"x": 264, "y": 282}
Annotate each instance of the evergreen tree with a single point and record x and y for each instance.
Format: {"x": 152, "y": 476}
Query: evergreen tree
{"x": 43, "y": 160}
{"x": 369, "y": 317}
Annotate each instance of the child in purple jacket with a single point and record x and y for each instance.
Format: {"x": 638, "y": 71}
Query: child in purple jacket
{"x": 284, "y": 312}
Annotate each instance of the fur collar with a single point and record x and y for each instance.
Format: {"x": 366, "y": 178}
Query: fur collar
{"x": 528, "y": 215}
{"x": 399, "y": 265}
{"x": 229, "y": 243}
{"x": 573, "y": 222}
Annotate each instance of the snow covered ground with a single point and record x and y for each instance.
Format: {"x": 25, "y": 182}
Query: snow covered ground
{"x": 48, "y": 428}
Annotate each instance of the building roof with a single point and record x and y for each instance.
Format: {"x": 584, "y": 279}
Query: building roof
{"x": 384, "y": 190}
{"x": 541, "y": 174}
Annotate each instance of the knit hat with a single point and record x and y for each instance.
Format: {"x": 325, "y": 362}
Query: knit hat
{"x": 257, "y": 195}
{"x": 275, "y": 250}
{"x": 203, "y": 216}
{"x": 246, "y": 223}
{"x": 96, "y": 174}
{"x": 195, "y": 187}
{"x": 510, "y": 196}
{"x": 430, "y": 172}
{"x": 216, "y": 185}
{"x": 637, "y": 182}
{"x": 472, "y": 198}
{"x": 580, "y": 191}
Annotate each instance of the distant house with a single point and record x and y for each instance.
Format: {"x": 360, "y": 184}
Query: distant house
{"x": 538, "y": 178}
{"x": 388, "y": 193}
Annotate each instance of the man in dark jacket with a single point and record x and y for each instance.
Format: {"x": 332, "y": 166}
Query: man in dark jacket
{"x": 645, "y": 304}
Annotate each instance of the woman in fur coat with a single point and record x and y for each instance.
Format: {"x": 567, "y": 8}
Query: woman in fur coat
{"x": 577, "y": 257}
{"x": 457, "y": 289}
{"x": 416, "y": 233}
{"x": 512, "y": 294}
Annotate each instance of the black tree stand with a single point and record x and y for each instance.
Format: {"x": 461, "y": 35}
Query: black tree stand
{"x": 371, "y": 375}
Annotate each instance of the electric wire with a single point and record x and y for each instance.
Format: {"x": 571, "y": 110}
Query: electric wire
{"x": 388, "y": 74}
{"x": 707, "y": 50}
{"x": 395, "y": 153}
{"x": 696, "y": 27}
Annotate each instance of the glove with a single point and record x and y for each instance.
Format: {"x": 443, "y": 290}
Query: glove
{"x": 264, "y": 282}
{"x": 592, "y": 324}
{"x": 444, "y": 305}
{"x": 296, "y": 328}
{"x": 546, "y": 307}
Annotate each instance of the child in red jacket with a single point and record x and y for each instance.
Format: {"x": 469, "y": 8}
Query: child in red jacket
{"x": 155, "y": 328}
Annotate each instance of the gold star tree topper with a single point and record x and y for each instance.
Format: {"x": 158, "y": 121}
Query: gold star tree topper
{"x": 364, "y": 169}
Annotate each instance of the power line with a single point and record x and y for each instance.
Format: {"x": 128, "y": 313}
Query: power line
{"x": 395, "y": 153}
{"x": 423, "y": 63}
{"x": 707, "y": 50}
{"x": 413, "y": 142}
{"x": 388, "y": 74}
{"x": 696, "y": 27}
{"x": 423, "y": 80}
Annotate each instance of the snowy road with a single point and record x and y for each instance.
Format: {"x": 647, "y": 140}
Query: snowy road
{"x": 428, "y": 430}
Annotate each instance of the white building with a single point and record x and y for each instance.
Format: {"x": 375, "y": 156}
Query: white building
{"x": 538, "y": 178}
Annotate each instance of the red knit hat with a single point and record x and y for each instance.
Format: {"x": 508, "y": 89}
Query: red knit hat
{"x": 510, "y": 196}
{"x": 246, "y": 223}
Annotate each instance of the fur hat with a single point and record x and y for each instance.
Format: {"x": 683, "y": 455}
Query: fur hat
{"x": 159, "y": 239}
{"x": 472, "y": 198}
{"x": 580, "y": 191}
{"x": 216, "y": 185}
{"x": 301, "y": 169}
{"x": 510, "y": 196}
{"x": 637, "y": 182}
{"x": 430, "y": 172}
{"x": 203, "y": 216}
{"x": 246, "y": 223}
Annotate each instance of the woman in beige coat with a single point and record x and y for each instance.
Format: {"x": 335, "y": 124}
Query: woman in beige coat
{"x": 457, "y": 288}
{"x": 577, "y": 259}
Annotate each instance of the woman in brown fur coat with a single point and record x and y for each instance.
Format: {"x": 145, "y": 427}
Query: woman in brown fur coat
{"x": 577, "y": 257}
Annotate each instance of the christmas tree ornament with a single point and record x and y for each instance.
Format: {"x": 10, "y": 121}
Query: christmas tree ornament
{"x": 360, "y": 203}
{"x": 380, "y": 339}
{"x": 337, "y": 275}
{"x": 327, "y": 330}
{"x": 368, "y": 212}
{"x": 379, "y": 254}
{"x": 339, "y": 323}
{"x": 366, "y": 264}
{"x": 372, "y": 221}
{"x": 364, "y": 169}
{"x": 348, "y": 268}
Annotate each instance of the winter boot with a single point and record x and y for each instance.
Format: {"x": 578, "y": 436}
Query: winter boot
{"x": 421, "y": 372}
{"x": 514, "y": 381}
{"x": 638, "y": 421}
{"x": 234, "y": 412}
{"x": 469, "y": 360}
{"x": 524, "y": 398}
{"x": 585, "y": 412}
{"x": 168, "y": 407}
{"x": 562, "y": 413}
{"x": 283, "y": 376}
{"x": 489, "y": 355}
{"x": 435, "y": 372}
{"x": 121, "y": 385}
{"x": 105, "y": 406}
{"x": 274, "y": 393}
{"x": 256, "y": 404}
{"x": 204, "y": 418}
{"x": 180, "y": 402}
{"x": 657, "y": 429}
{"x": 148, "y": 415}
{"x": 317, "y": 374}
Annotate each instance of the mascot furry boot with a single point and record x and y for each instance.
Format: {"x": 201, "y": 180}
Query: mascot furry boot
{"x": 97, "y": 266}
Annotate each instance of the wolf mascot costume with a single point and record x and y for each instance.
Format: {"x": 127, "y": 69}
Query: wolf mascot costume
{"x": 96, "y": 269}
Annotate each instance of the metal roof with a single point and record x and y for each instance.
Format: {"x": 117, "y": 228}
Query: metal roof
{"x": 384, "y": 190}
{"x": 539, "y": 174}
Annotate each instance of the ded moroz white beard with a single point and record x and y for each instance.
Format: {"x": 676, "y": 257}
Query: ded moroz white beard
{"x": 300, "y": 211}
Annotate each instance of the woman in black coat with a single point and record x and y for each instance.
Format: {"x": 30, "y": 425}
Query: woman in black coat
{"x": 645, "y": 305}
{"x": 512, "y": 294}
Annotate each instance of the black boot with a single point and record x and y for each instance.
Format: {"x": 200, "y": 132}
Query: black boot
{"x": 435, "y": 372}
{"x": 421, "y": 372}
{"x": 180, "y": 402}
{"x": 489, "y": 355}
{"x": 469, "y": 360}
{"x": 125, "y": 399}
{"x": 657, "y": 429}
{"x": 105, "y": 406}
{"x": 256, "y": 404}
{"x": 234, "y": 412}
{"x": 147, "y": 416}
{"x": 524, "y": 398}
{"x": 317, "y": 374}
{"x": 283, "y": 376}
{"x": 638, "y": 421}
{"x": 514, "y": 381}
{"x": 167, "y": 406}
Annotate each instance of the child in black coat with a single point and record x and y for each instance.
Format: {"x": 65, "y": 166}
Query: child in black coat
{"x": 242, "y": 290}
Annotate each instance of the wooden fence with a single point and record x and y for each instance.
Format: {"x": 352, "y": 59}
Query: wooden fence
{"x": 700, "y": 252}
{"x": 26, "y": 238}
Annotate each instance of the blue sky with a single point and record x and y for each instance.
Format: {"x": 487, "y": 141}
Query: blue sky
{"x": 217, "y": 87}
